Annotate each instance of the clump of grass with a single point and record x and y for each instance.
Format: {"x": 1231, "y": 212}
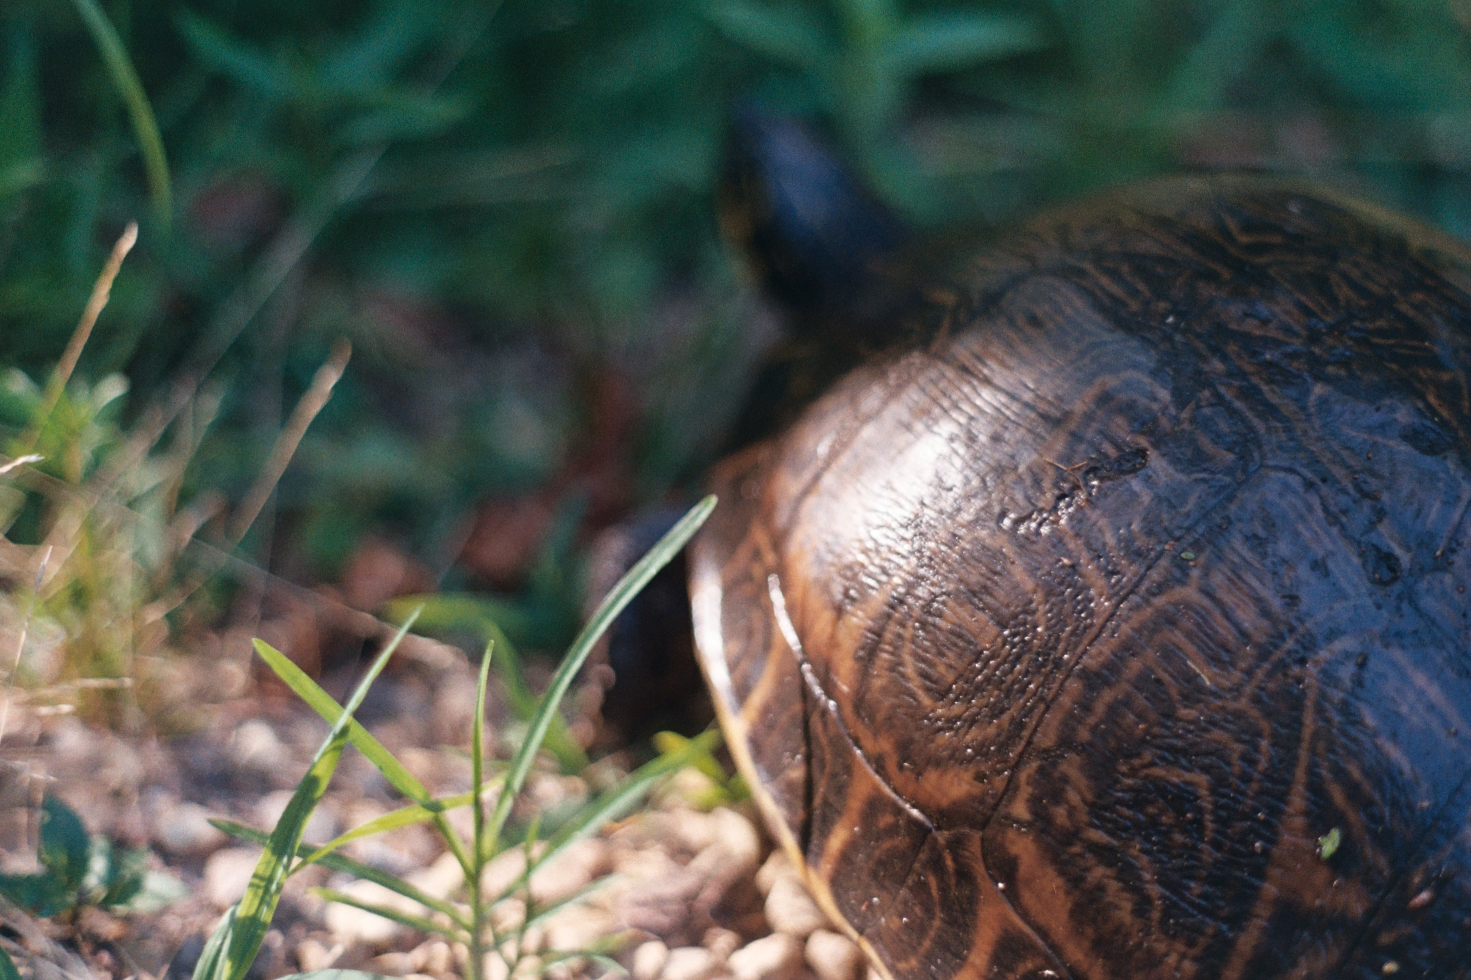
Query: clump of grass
{"x": 489, "y": 938}
{"x": 99, "y": 541}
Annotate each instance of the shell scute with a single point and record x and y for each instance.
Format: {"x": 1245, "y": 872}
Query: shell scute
{"x": 1071, "y": 635}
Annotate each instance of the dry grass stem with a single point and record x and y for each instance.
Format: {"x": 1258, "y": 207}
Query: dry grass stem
{"x": 101, "y": 291}
{"x": 286, "y": 445}
{"x": 20, "y": 646}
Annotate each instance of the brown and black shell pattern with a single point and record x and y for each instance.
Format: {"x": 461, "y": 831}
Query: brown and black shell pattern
{"x": 1121, "y": 631}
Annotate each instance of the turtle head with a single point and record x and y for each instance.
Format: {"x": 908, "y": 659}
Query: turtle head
{"x": 818, "y": 239}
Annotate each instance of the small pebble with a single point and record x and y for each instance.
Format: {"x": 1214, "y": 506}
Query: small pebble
{"x": 434, "y": 957}
{"x": 721, "y": 942}
{"x": 351, "y": 924}
{"x": 570, "y": 871}
{"x": 254, "y": 745}
{"x": 736, "y": 835}
{"x": 774, "y": 957}
{"x": 312, "y": 955}
{"x": 227, "y": 872}
{"x": 789, "y": 909}
{"x": 185, "y": 830}
{"x": 649, "y": 960}
{"x": 833, "y": 956}
{"x": 776, "y": 866}
{"x": 689, "y": 963}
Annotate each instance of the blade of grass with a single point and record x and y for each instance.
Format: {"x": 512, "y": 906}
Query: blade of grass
{"x": 393, "y": 820}
{"x": 418, "y": 922}
{"x": 609, "y": 805}
{"x": 636, "y": 578}
{"x": 545, "y": 912}
{"x": 130, "y": 90}
{"x": 477, "y": 785}
{"x": 257, "y": 906}
{"x": 398, "y": 777}
{"x": 346, "y": 865}
{"x": 211, "y": 965}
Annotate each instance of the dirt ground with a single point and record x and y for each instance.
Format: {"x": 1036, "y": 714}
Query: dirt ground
{"x": 697, "y": 894}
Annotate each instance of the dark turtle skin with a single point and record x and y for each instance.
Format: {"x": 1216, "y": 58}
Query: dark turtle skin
{"x": 1120, "y": 630}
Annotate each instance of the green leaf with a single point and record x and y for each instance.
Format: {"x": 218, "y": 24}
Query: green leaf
{"x": 43, "y": 895}
{"x": 211, "y": 965}
{"x": 484, "y": 618}
{"x": 7, "y": 967}
{"x": 346, "y": 865}
{"x": 130, "y": 90}
{"x": 393, "y": 820}
{"x": 257, "y": 906}
{"x": 454, "y": 612}
{"x": 618, "y": 800}
{"x": 628, "y": 586}
{"x": 20, "y": 109}
{"x": 785, "y": 34}
{"x": 399, "y": 777}
{"x": 950, "y": 41}
{"x": 233, "y": 58}
{"x": 336, "y": 975}
{"x": 64, "y": 847}
{"x": 419, "y": 922}
{"x": 325, "y": 705}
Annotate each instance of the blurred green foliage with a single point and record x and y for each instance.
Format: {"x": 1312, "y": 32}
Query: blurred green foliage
{"x": 510, "y": 209}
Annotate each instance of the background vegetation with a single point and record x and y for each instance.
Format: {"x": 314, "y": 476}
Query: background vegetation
{"x": 508, "y": 211}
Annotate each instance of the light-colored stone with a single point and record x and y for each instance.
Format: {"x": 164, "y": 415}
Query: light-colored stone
{"x": 774, "y": 957}
{"x": 577, "y": 927}
{"x": 736, "y": 835}
{"x": 649, "y": 959}
{"x": 254, "y": 745}
{"x": 434, "y": 957}
{"x": 227, "y": 872}
{"x": 351, "y": 924}
{"x": 689, "y": 963}
{"x": 441, "y": 878}
{"x": 312, "y": 955}
{"x": 790, "y": 909}
{"x": 695, "y": 830}
{"x": 184, "y": 830}
{"x": 570, "y": 871}
{"x": 320, "y": 827}
{"x": 833, "y": 956}
{"x": 721, "y": 942}
{"x": 775, "y": 866}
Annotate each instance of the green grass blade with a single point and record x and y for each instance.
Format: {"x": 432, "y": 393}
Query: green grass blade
{"x": 618, "y": 800}
{"x": 636, "y": 578}
{"x": 418, "y": 922}
{"x": 336, "y": 975}
{"x": 393, "y": 820}
{"x": 398, "y": 777}
{"x": 130, "y": 90}
{"x": 346, "y": 865}
{"x": 477, "y": 766}
{"x": 492, "y": 622}
{"x": 258, "y": 905}
{"x": 544, "y": 912}
{"x": 211, "y": 965}
{"x": 325, "y": 705}
{"x": 952, "y": 41}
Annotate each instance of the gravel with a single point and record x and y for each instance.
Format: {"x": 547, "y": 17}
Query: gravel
{"x": 696, "y": 894}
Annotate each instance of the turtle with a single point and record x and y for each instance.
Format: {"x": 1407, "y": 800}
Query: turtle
{"x": 1115, "y": 626}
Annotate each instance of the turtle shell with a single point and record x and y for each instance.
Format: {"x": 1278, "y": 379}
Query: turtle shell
{"x": 1121, "y": 631}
